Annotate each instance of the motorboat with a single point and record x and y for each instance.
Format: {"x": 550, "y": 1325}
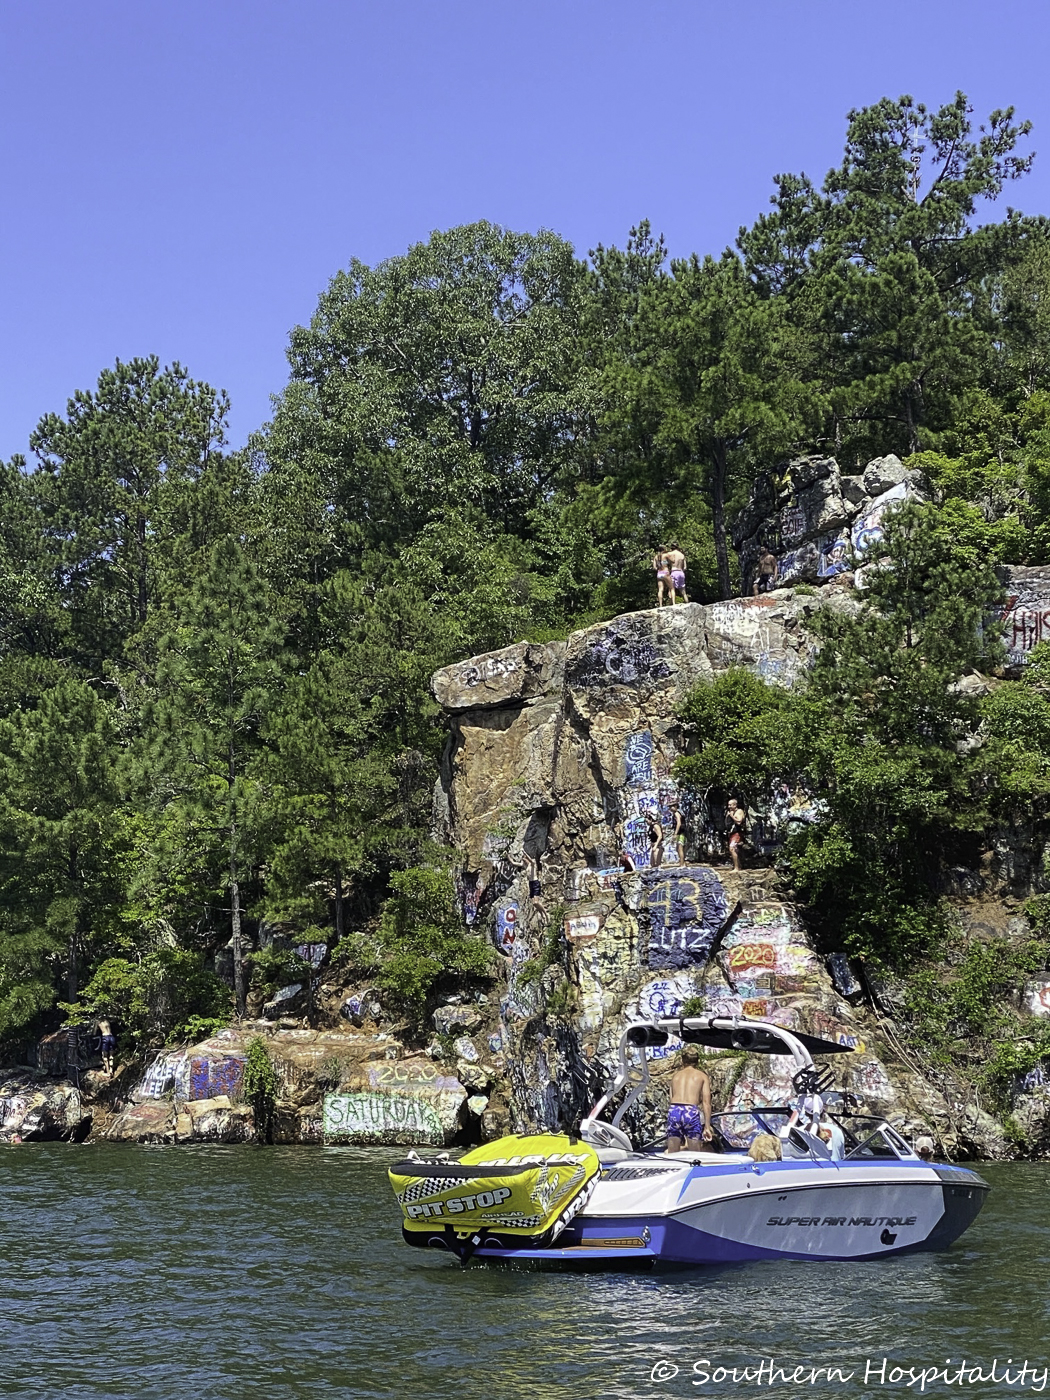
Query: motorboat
{"x": 592, "y": 1198}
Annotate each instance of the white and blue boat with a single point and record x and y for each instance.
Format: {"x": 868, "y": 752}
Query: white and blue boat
{"x": 590, "y": 1198}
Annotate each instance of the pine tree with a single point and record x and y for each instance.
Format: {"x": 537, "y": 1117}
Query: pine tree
{"x": 218, "y": 676}
{"x": 60, "y": 846}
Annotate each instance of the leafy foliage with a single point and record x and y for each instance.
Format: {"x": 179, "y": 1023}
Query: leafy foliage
{"x": 214, "y": 665}
{"x": 261, "y": 1084}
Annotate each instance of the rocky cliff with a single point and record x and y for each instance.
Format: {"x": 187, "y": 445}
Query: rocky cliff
{"x": 557, "y": 754}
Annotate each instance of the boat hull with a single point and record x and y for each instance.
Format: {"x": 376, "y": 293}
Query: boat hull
{"x": 784, "y": 1210}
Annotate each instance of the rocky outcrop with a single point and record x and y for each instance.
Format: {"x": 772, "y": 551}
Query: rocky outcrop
{"x": 335, "y": 1086}
{"x": 557, "y": 755}
{"x": 818, "y": 523}
{"x": 34, "y": 1109}
{"x": 560, "y": 772}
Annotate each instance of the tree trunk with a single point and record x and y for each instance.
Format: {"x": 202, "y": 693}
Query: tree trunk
{"x": 72, "y": 979}
{"x": 718, "y": 519}
{"x": 340, "y": 912}
{"x": 235, "y": 925}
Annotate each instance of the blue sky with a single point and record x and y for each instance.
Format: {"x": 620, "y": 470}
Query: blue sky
{"x": 183, "y": 179}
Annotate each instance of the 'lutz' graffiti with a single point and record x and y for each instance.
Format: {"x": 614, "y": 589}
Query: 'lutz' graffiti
{"x": 687, "y": 906}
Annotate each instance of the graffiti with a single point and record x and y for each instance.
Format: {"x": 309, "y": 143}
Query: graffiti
{"x": 487, "y": 669}
{"x": 752, "y": 955}
{"x": 842, "y": 978}
{"x": 793, "y": 523}
{"x": 313, "y": 953}
{"x": 867, "y": 529}
{"x": 638, "y": 758}
{"x": 417, "y": 1073}
{"x": 664, "y": 996}
{"x": 469, "y": 894}
{"x": 834, "y": 557}
{"x": 1026, "y": 618}
{"x": 507, "y": 926}
{"x": 796, "y": 563}
{"x": 168, "y": 1073}
{"x": 210, "y": 1078}
{"x": 1037, "y": 998}
{"x": 686, "y": 909}
{"x": 869, "y": 1081}
{"x": 377, "y": 1117}
{"x": 620, "y": 658}
{"x": 827, "y": 1029}
{"x": 1032, "y": 1080}
{"x": 756, "y": 1007}
{"x": 583, "y": 928}
{"x": 12, "y": 1111}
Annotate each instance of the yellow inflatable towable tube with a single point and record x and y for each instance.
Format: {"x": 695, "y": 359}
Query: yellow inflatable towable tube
{"x": 522, "y": 1190}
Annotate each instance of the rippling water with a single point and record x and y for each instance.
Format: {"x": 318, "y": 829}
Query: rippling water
{"x": 245, "y": 1272}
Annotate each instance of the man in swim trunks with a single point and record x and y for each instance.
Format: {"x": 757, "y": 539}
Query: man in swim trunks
{"x": 663, "y": 577}
{"x": 689, "y": 1114}
{"x": 675, "y": 561}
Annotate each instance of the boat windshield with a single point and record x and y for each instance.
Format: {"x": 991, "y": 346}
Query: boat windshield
{"x": 866, "y": 1138}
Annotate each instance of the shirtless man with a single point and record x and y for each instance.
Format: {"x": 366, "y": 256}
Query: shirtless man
{"x": 689, "y": 1115}
{"x": 663, "y": 577}
{"x": 675, "y": 560}
{"x": 766, "y": 572}
{"x": 108, "y": 1044}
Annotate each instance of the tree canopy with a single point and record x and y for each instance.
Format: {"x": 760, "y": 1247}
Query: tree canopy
{"x": 215, "y": 712}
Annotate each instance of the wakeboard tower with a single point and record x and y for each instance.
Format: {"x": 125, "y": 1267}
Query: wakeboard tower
{"x": 590, "y": 1198}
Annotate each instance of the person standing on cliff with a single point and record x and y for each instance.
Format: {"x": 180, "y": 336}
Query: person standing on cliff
{"x": 663, "y": 577}
{"x": 655, "y": 832}
{"x": 767, "y": 571}
{"x": 677, "y": 841}
{"x": 108, "y": 1044}
{"x": 676, "y": 563}
{"x": 736, "y": 817}
{"x": 689, "y": 1114}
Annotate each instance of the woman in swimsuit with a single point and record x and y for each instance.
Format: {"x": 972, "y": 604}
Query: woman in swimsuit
{"x": 663, "y": 577}
{"x": 737, "y": 829}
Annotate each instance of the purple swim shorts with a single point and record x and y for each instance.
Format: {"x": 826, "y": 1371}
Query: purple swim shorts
{"x": 684, "y": 1120}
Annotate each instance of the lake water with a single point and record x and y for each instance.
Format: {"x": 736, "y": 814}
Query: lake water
{"x": 242, "y": 1272}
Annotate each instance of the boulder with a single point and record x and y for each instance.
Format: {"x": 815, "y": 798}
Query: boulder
{"x": 144, "y": 1122}
{"x": 35, "y": 1110}
{"x": 883, "y": 473}
{"x": 450, "y": 1019}
{"x": 508, "y": 676}
{"x": 217, "y": 1120}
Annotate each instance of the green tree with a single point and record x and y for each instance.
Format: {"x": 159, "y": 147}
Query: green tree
{"x": 882, "y": 734}
{"x": 217, "y": 676}
{"x": 100, "y": 488}
{"x": 705, "y": 387}
{"x": 61, "y": 866}
{"x": 882, "y": 265}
